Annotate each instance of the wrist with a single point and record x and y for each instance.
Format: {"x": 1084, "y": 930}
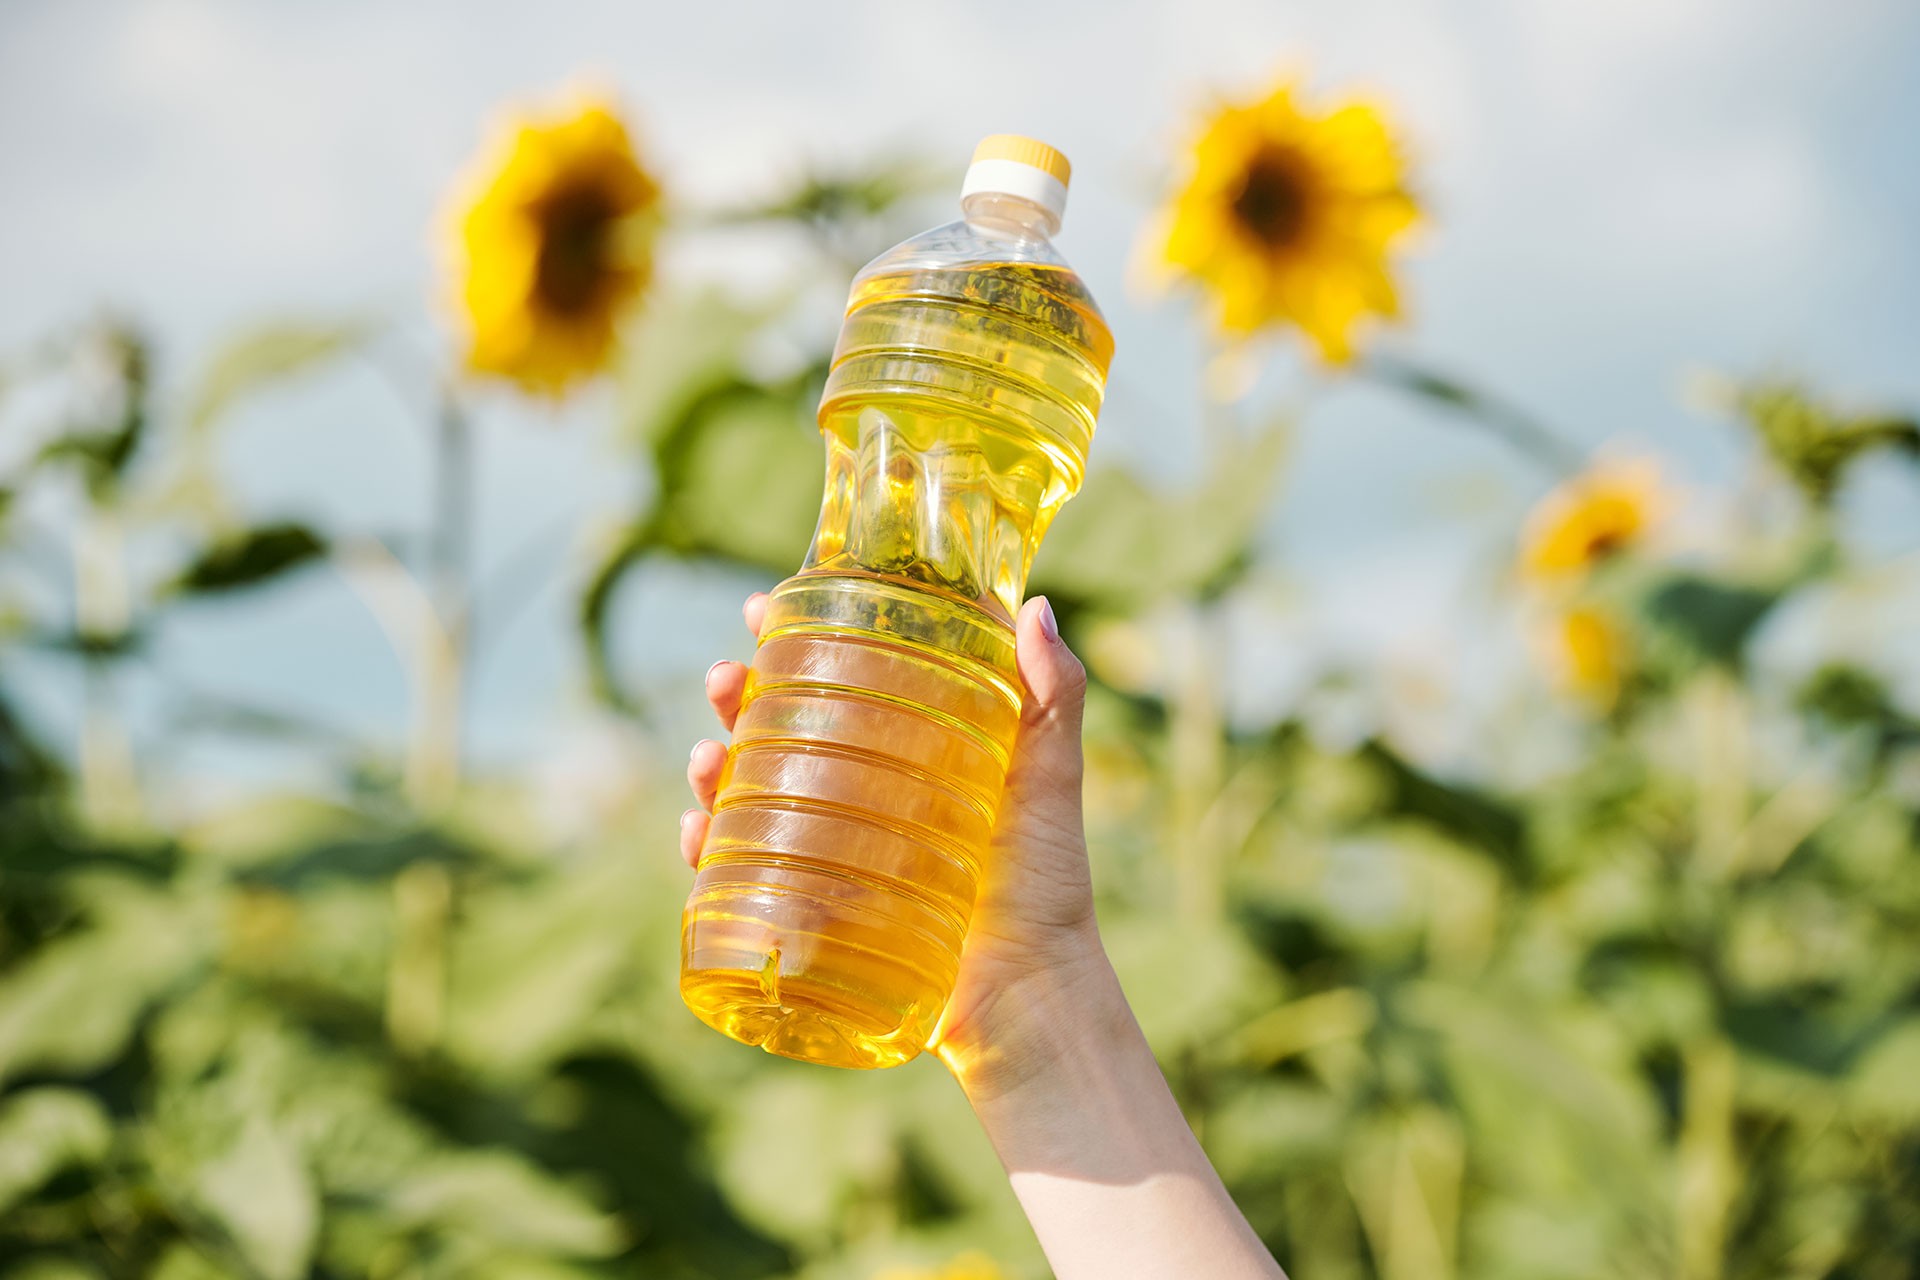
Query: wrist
{"x": 1067, "y": 1084}
{"x": 1038, "y": 1027}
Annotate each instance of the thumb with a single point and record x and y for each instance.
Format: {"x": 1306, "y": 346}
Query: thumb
{"x": 1046, "y": 768}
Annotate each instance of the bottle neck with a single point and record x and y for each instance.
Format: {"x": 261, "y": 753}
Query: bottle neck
{"x": 998, "y": 213}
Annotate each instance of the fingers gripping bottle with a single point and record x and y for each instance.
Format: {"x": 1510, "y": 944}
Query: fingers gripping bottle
{"x": 853, "y": 816}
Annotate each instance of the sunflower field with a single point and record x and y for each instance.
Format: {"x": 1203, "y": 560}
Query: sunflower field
{"x": 1627, "y": 988}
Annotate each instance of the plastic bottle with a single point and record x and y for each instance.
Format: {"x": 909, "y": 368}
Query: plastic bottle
{"x": 854, "y": 812}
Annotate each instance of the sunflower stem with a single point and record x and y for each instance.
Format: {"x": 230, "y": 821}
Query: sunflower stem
{"x": 109, "y": 784}
{"x": 435, "y": 768}
{"x": 1500, "y": 418}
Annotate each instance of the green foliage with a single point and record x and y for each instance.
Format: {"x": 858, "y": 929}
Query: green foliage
{"x": 206, "y": 1046}
{"x": 104, "y": 441}
{"x": 832, "y": 201}
{"x": 43, "y": 1133}
{"x": 264, "y": 357}
{"x": 1814, "y": 443}
{"x": 735, "y": 459}
{"x": 1843, "y": 697}
{"x": 1705, "y": 620}
{"x": 1112, "y": 549}
{"x": 738, "y": 469}
{"x": 251, "y": 557}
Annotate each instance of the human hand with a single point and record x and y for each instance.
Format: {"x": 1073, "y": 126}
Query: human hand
{"x": 1032, "y": 956}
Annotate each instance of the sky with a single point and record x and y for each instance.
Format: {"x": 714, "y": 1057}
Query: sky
{"x": 1621, "y": 197}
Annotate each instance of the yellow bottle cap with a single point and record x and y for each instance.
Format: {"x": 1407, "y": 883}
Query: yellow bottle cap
{"x": 1017, "y": 166}
{"x": 1028, "y": 151}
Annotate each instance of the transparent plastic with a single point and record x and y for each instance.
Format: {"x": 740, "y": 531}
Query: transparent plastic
{"x": 854, "y": 812}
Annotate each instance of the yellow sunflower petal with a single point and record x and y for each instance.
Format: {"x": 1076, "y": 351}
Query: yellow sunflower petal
{"x": 1330, "y": 320}
{"x": 1194, "y": 234}
{"x": 1592, "y": 655}
{"x": 1357, "y": 150}
{"x": 1223, "y": 147}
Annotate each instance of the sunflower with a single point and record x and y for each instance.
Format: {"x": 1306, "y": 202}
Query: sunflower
{"x": 553, "y": 242}
{"x": 1594, "y": 516}
{"x": 1587, "y": 652}
{"x": 968, "y": 1266}
{"x": 1287, "y": 215}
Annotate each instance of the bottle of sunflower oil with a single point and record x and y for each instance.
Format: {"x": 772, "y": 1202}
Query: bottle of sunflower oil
{"x": 853, "y": 815}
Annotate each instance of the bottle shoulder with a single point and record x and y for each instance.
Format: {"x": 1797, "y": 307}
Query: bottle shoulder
{"x": 1023, "y": 275}
{"x": 961, "y": 243}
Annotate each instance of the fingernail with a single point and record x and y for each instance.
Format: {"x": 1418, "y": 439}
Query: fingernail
{"x": 1047, "y": 623}
{"x": 687, "y": 817}
{"x": 708, "y": 678}
{"x": 696, "y": 749}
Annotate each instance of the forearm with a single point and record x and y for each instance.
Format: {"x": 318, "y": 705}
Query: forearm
{"x": 1101, "y": 1158}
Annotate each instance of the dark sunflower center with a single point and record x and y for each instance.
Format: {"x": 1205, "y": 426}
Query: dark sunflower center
{"x": 575, "y": 227}
{"x": 1271, "y": 204}
{"x": 1605, "y": 543}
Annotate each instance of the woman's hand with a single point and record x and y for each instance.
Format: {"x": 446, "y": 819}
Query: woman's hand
{"x": 1033, "y": 954}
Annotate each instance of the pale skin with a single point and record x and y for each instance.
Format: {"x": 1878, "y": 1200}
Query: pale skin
{"x": 1038, "y": 1033}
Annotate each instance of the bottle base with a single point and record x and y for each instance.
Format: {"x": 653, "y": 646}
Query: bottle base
{"x": 807, "y": 1021}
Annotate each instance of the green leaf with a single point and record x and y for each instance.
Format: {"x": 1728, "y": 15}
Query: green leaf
{"x": 373, "y": 859}
{"x": 1885, "y": 1081}
{"x": 1846, "y": 697}
{"x": 44, "y": 1131}
{"x": 797, "y": 1179}
{"x": 264, "y": 356}
{"x": 1264, "y": 1132}
{"x": 26, "y": 766}
{"x": 1296, "y": 939}
{"x": 1814, "y": 443}
{"x": 596, "y": 608}
{"x": 184, "y": 1262}
{"x": 740, "y": 477}
{"x": 738, "y": 466}
{"x": 531, "y": 964}
{"x": 1468, "y": 814}
{"x": 274, "y": 829}
{"x": 680, "y": 348}
{"x": 1221, "y": 980}
{"x": 261, "y": 1192}
{"x": 89, "y": 644}
{"x": 52, "y": 1268}
{"x": 74, "y": 1004}
{"x": 103, "y": 449}
{"x": 1121, "y": 546}
{"x": 829, "y": 199}
{"x": 1706, "y": 621}
{"x": 501, "y": 1198}
{"x": 250, "y": 558}
{"x": 1545, "y": 1089}
{"x": 1811, "y": 1038}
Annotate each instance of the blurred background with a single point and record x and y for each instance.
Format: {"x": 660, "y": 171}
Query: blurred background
{"x": 1505, "y": 742}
